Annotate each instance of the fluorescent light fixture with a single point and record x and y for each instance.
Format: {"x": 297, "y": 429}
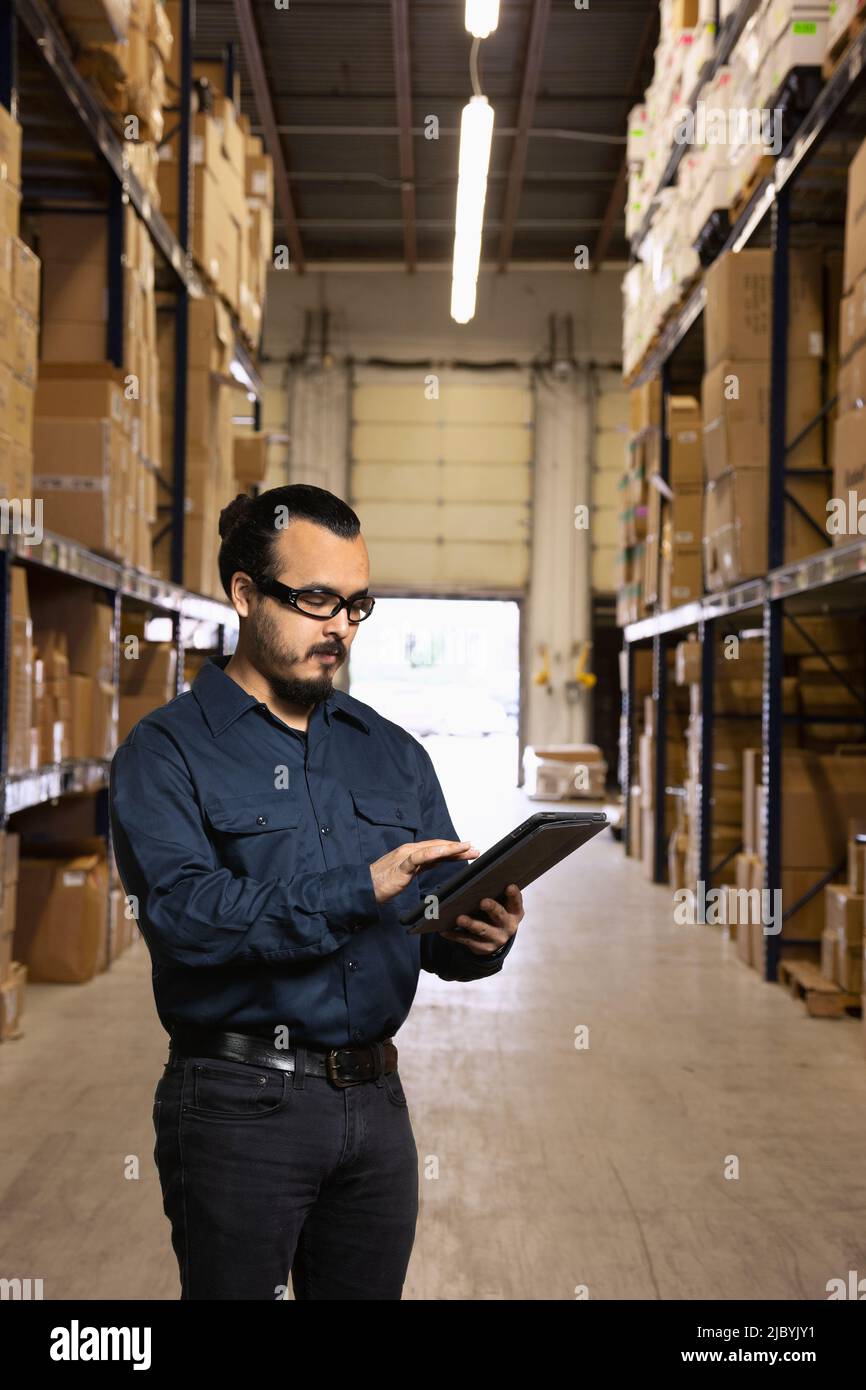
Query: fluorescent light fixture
{"x": 476, "y": 134}
{"x": 482, "y": 17}
{"x": 462, "y": 300}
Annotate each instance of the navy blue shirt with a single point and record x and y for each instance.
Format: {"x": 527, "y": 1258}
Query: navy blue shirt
{"x": 248, "y": 845}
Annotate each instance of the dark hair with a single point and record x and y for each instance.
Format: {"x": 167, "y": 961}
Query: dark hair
{"x": 249, "y": 526}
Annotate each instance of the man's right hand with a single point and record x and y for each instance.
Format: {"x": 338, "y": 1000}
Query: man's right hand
{"x": 396, "y": 870}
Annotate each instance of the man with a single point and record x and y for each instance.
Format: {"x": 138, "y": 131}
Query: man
{"x": 269, "y": 830}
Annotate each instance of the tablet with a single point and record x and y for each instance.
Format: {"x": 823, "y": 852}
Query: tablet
{"x": 520, "y": 857}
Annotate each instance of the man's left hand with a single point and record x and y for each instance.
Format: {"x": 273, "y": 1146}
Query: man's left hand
{"x": 485, "y": 935}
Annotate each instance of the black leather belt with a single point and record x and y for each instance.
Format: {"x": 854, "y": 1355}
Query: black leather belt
{"x": 344, "y": 1066}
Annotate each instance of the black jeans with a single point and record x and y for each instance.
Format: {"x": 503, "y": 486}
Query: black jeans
{"x": 264, "y": 1172}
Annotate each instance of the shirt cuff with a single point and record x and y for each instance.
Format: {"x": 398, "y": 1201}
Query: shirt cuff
{"x": 349, "y": 897}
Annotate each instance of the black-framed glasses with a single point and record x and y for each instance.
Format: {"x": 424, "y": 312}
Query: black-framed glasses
{"x": 317, "y": 603}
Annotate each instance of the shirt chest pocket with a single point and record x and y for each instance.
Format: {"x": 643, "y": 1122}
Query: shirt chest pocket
{"x": 248, "y": 828}
{"x": 385, "y": 819}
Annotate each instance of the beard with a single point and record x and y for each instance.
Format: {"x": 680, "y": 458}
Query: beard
{"x": 272, "y": 657}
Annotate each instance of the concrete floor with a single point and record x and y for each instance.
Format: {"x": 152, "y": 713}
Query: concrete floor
{"x": 557, "y": 1168}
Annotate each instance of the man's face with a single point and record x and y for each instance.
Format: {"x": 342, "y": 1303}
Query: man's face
{"x": 299, "y": 655}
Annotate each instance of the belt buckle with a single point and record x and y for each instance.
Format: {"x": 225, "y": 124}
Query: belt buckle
{"x": 331, "y": 1068}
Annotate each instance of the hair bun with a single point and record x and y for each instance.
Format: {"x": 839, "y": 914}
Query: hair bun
{"x": 235, "y": 512}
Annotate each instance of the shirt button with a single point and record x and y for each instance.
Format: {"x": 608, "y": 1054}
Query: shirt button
{"x": 357, "y": 1035}
{"x": 261, "y": 820}
{"x": 326, "y": 830}
{"x": 353, "y": 965}
{"x": 399, "y": 815}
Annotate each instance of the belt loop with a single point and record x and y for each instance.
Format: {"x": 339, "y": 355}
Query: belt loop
{"x": 300, "y": 1068}
{"x": 380, "y": 1059}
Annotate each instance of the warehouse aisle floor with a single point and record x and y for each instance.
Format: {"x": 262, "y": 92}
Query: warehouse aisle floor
{"x": 543, "y": 1168}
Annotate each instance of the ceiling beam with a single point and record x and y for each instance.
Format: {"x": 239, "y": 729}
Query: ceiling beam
{"x": 265, "y": 106}
{"x": 403, "y": 89}
{"x": 616, "y": 201}
{"x": 531, "y": 72}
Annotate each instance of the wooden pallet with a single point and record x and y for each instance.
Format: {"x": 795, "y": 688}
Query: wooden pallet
{"x": 822, "y": 998}
{"x": 746, "y": 194}
{"x": 834, "y": 55}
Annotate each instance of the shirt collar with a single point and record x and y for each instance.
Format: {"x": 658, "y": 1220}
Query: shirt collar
{"x": 222, "y": 700}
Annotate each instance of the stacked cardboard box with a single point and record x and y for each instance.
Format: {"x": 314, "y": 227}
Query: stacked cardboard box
{"x": 19, "y": 323}
{"x": 148, "y": 679}
{"x": 83, "y": 469}
{"x": 675, "y": 768}
{"x": 258, "y": 250}
{"x": 114, "y": 511}
{"x": 232, "y": 186}
{"x": 737, "y": 692}
{"x": 20, "y": 696}
{"x": 13, "y": 974}
{"x": 62, "y": 917}
{"x": 735, "y": 395}
{"x": 95, "y": 21}
{"x": 634, "y": 594}
{"x": 251, "y": 458}
{"x": 52, "y": 705}
{"x": 212, "y": 399}
{"x": 821, "y": 794}
{"x": 641, "y": 687}
{"x": 78, "y": 633}
{"x": 129, "y": 76}
{"x": 679, "y": 505}
{"x": 731, "y": 136}
{"x": 220, "y": 217}
{"x": 847, "y": 518}
{"x": 842, "y": 938}
{"x": 141, "y": 375}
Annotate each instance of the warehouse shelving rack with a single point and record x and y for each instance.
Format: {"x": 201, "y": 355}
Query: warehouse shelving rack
{"x": 190, "y": 613}
{"x": 830, "y": 580}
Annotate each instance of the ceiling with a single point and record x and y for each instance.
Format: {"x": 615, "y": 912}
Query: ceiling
{"x": 345, "y": 77}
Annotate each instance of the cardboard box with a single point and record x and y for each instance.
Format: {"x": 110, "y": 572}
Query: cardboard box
{"x": 88, "y": 626}
{"x": 81, "y": 468}
{"x": 843, "y": 915}
{"x": 81, "y": 391}
{"x": 821, "y": 794}
{"x": 250, "y": 458}
{"x": 681, "y": 573}
{"x": 735, "y": 399}
{"x": 62, "y": 917}
{"x": 735, "y": 524}
{"x": 259, "y": 184}
{"x": 847, "y": 519}
{"x": 857, "y": 856}
{"x": 752, "y": 774}
{"x": 19, "y": 415}
{"x": 645, "y": 405}
{"x": 738, "y": 309}
{"x": 20, "y": 708}
{"x": 25, "y": 278}
{"x": 10, "y": 149}
{"x": 855, "y": 220}
{"x": 153, "y": 671}
{"x": 12, "y": 1002}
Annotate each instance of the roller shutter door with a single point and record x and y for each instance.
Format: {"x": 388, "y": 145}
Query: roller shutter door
{"x": 440, "y": 474}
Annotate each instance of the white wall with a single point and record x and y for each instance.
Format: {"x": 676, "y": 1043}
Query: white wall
{"x": 389, "y": 313}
